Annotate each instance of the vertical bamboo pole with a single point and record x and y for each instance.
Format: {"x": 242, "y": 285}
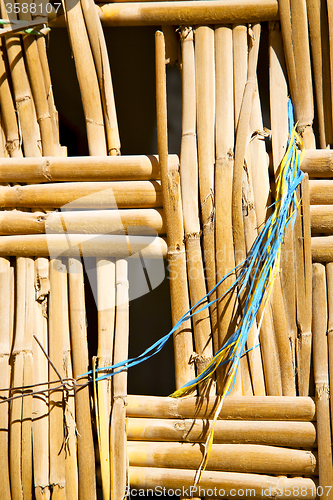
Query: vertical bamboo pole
{"x": 5, "y": 348}
{"x": 329, "y": 279}
{"x": 40, "y": 424}
{"x": 86, "y": 74}
{"x": 318, "y": 26}
{"x": 190, "y": 195}
{"x": 85, "y": 445}
{"x": 57, "y": 327}
{"x": 101, "y": 59}
{"x": 106, "y": 323}
{"x": 330, "y": 37}
{"x": 183, "y": 346}
{"x": 205, "y": 97}
{"x": 320, "y": 366}
{"x": 118, "y": 418}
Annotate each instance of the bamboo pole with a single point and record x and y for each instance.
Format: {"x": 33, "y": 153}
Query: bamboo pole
{"x": 123, "y": 194}
{"x": 134, "y": 221}
{"x": 322, "y": 248}
{"x": 106, "y": 323}
{"x": 8, "y": 115}
{"x": 83, "y": 168}
{"x": 57, "y": 326}
{"x": 183, "y": 345}
{"x": 205, "y": 104}
{"x": 101, "y": 59}
{"x": 190, "y": 195}
{"x": 224, "y": 130}
{"x": 318, "y": 162}
{"x": 329, "y": 279}
{"x": 321, "y": 192}
{"x": 118, "y": 440}
{"x": 250, "y": 458}
{"x": 40, "y": 407}
{"x": 234, "y": 407}
{"x": 87, "y": 78}
{"x": 178, "y": 13}
{"x": 318, "y": 27}
{"x": 321, "y": 219}
{"x": 41, "y": 245}
{"x": 5, "y": 369}
{"x": 289, "y": 434}
{"x": 218, "y": 484}
{"x": 320, "y": 367}
{"x": 330, "y": 38}
{"x": 79, "y": 346}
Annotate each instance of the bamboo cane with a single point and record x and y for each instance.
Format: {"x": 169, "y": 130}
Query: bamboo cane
{"x": 5, "y": 347}
{"x": 57, "y": 327}
{"x": 87, "y": 78}
{"x": 321, "y": 219}
{"x": 40, "y": 408}
{"x": 322, "y": 248}
{"x": 118, "y": 440}
{"x": 318, "y": 162}
{"x": 288, "y": 434}
{"x": 330, "y": 38}
{"x": 217, "y": 484}
{"x": 13, "y": 145}
{"x": 85, "y": 446}
{"x": 234, "y": 407}
{"x": 318, "y": 27}
{"x": 183, "y": 345}
{"x": 250, "y": 458}
{"x": 178, "y": 13}
{"x": 320, "y": 367}
{"x": 123, "y": 194}
{"x": 83, "y": 168}
{"x": 205, "y": 103}
{"x": 135, "y": 221}
{"x": 224, "y": 130}
{"x": 106, "y": 323}
{"x": 321, "y": 192}
{"x": 101, "y": 59}
{"x": 189, "y": 188}
{"x": 329, "y": 279}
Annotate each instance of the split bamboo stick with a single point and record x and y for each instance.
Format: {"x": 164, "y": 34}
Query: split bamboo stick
{"x": 79, "y": 346}
{"x": 40, "y": 407}
{"x": 8, "y": 115}
{"x": 178, "y": 13}
{"x": 5, "y": 369}
{"x": 224, "y": 130}
{"x": 190, "y": 195}
{"x": 321, "y": 192}
{"x": 205, "y": 104}
{"x": 83, "y": 168}
{"x": 329, "y": 279}
{"x": 82, "y": 244}
{"x": 218, "y": 484}
{"x": 106, "y": 297}
{"x": 183, "y": 345}
{"x": 319, "y": 38}
{"x": 234, "y": 407}
{"x": 248, "y": 458}
{"x": 320, "y": 367}
{"x": 288, "y": 434}
{"x": 123, "y": 194}
{"x": 101, "y": 59}
{"x": 118, "y": 454}
{"x": 133, "y": 221}
{"x": 58, "y": 321}
{"x": 87, "y": 78}
{"x": 321, "y": 219}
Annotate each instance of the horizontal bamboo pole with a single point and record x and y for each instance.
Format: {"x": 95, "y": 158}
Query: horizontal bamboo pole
{"x": 318, "y": 162}
{"x": 201, "y": 12}
{"x": 228, "y": 457}
{"x": 322, "y": 248}
{"x": 215, "y": 484}
{"x": 72, "y": 245}
{"x": 321, "y": 192}
{"x": 122, "y": 194}
{"x": 129, "y": 221}
{"x": 321, "y": 219}
{"x": 280, "y": 433}
{"x": 82, "y": 168}
{"x": 234, "y": 407}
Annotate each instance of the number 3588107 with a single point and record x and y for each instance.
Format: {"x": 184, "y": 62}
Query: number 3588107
{"x": 32, "y": 8}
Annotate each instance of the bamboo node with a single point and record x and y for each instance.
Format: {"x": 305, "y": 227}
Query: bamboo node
{"x": 185, "y": 31}
{"x": 45, "y": 172}
{"x": 192, "y": 236}
{"x": 12, "y": 145}
{"x": 93, "y": 122}
{"x": 322, "y": 390}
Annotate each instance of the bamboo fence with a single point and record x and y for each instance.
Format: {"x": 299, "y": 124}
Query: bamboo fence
{"x": 62, "y": 433}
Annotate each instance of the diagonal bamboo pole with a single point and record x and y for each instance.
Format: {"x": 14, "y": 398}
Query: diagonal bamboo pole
{"x": 183, "y": 345}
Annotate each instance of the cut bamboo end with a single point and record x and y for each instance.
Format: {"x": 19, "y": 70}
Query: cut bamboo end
{"x": 247, "y": 408}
